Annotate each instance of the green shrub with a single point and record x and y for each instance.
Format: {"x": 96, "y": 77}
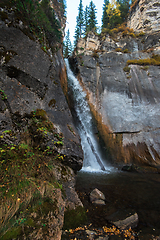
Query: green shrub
{"x": 141, "y": 34}
{"x": 126, "y": 51}
{"x": 118, "y": 50}
{"x": 154, "y": 60}
{"x": 132, "y": 34}
{"x": 126, "y": 69}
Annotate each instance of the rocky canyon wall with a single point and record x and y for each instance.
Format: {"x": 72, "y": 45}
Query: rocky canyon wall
{"x": 124, "y": 98}
{"x": 36, "y": 130}
{"x": 145, "y": 16}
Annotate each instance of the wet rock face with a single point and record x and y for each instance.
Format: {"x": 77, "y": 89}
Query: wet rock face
{"x": 145, "y": 16}
{"x": 30, "y": 79}
{"x": 125, "y": 104}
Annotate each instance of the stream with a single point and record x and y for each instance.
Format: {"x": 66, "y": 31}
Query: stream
{"x": 124, "y": 191}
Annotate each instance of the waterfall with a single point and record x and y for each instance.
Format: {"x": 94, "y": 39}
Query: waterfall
{"x": 92, "y": 158}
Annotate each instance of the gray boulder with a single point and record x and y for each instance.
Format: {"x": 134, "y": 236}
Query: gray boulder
{"x": 97, "y": 197}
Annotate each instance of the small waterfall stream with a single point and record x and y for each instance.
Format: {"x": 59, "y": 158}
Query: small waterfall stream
{"x": 93, "y": 160}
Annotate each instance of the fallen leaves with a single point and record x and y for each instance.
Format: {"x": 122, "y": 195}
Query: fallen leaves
{"x": 77, "y": 233}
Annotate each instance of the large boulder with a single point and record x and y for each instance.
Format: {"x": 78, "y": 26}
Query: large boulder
{"x": 97, "y": 197}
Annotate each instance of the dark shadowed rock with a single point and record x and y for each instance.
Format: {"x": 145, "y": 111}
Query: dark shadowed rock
{"x": 31, "y": 80}
{"x": 124, "y": 219}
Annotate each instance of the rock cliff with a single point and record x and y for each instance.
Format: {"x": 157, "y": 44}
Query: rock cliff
{"x": 39, "y": 146}
{"x": 124, "y": 98}
{"x": 145, "y": 16}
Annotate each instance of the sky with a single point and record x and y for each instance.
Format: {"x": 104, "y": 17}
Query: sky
{"x": 72, "y": 13}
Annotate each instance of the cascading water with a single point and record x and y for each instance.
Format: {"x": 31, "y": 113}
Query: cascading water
{"x": 92, "y": 158}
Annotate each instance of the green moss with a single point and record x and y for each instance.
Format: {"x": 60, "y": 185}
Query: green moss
{"x": 12, "y": 233}
{"x": 145, "y": 68}
{"x": 154, "y": 60}
{"x": 70, "y": 129}
{"x": 3, "y": 95}
{"x": 74, "y": 218}
{"x": 128, "y": 77}
{"x": 126, "y": 69}
{"x": 132, "y": 35}
{"x": 141, "y": 34}
{"x": 126, "y": 51}
{"x": 118, "y": 50}
{"x": 40, "y": 113}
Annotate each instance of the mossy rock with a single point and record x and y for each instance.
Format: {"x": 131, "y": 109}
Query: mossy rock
{"x": 126, "y": 69}
{"x": 74, "y": 218}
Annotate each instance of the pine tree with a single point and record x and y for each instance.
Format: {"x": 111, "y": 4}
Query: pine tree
{"x": 124, "y": 8}
{"x": 67, "y": 45}
{"x": 92, "y": 21}
{"x": 80, "y": 23}
{"x": 113, "y": 13}
{"x": 105, "y": 18}
{"x": 86, "y": 13}
{"x": 80, "y": 18}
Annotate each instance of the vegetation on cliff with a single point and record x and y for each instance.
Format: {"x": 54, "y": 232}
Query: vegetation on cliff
{"x": 154, "y": 60}
{"x": 114, "y": 17}
{"x": 40, "y": 18}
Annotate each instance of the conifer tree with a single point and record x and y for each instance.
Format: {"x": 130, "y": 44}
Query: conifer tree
{"x": 124, "y": 9}
{"x": 80, "y": 23}
{"x": 113, "y": 13}
{"x": 105, "y": 18}
{"x": 92, "y": 21}
{"x": 86, "y": 12}
{"x": 67, "y": 50}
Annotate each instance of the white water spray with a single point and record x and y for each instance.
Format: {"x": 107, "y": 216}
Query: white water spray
{"x": 92, "y": 159}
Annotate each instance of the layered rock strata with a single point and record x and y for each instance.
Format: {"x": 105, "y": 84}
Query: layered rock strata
{"x": 145, "y": 16}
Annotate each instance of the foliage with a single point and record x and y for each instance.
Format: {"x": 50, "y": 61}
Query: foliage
{"x": 19, "y": 163}
{"x": 154, "y": 60}
{"x": 118, "y": 50}
{"x": 78, "y": 217}
{"x": 92, "y": 19}
{"x": 67, "y": 45}
{"x": 126, "y": 69}
{"x": 113, "y": 13}
{"x": 105, "y": 18}
{"x": 80, "y": 23}
{"x": 86, "y": 12}
{"x": 3, "y": 95}
{"x": 40, "y": 18}
{"x": 124, "y": 9}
